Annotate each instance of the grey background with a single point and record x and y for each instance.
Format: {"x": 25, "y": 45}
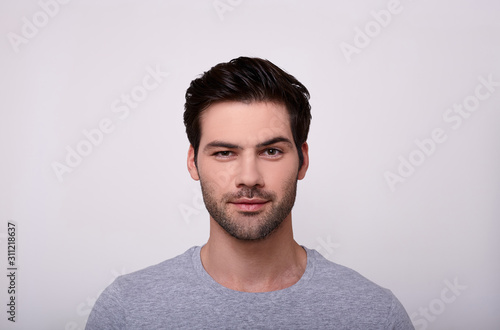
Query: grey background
{"x": 130, "y": 202}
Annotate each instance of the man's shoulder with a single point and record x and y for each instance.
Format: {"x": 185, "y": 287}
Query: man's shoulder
{"x": 154, "y": 290}
{"x": 363, "y": 301}
{"x": 176, "y": 269}
{"x": 335, "y": 278}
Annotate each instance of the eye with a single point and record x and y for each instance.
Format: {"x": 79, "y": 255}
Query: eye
{"x": 273, "y": 152}
{"x": 223, "y": 154}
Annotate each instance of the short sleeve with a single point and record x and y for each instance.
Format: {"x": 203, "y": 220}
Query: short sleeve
{"x": 107, "y": 313}
{"x": 398, "y": 319}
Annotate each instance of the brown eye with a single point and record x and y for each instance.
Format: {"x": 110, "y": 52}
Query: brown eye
{"x": 223, "y": 154}
{"x": 272, "y": 152}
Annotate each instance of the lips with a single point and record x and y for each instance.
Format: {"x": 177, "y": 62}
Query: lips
{"x": 249, "y": 204}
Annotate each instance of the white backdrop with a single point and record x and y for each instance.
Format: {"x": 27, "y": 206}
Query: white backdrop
{"x": 404, "y": 181}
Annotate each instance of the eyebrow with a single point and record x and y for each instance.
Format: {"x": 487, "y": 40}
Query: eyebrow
{"x": 275, "y": 140}
{"x": 222, "y": 144}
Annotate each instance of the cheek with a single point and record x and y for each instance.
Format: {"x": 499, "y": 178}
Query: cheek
{"x": 219, "y": 177}
{"x": 277, "y": 176}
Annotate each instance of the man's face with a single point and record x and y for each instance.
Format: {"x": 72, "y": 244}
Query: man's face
{"x": 248, "y": 167}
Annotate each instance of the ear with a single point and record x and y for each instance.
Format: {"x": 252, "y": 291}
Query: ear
{"x": 191, "y": 165}
{"x": 305, "y": 164}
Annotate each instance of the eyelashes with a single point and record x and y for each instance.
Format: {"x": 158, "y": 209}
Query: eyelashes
{"x": 267, "y": 152}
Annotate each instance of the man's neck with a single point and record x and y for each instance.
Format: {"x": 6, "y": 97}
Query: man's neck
{"x": 270, "y": 264}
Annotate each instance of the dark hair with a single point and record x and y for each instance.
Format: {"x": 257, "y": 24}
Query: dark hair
{"x": 246, "y": 79}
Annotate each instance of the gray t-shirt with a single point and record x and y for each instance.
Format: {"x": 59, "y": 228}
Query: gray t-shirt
{"x": 179, "y": 294}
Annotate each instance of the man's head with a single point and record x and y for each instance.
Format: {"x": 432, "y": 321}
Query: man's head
{"x": 247, "y": 80}
{"x": 247, "y": 122}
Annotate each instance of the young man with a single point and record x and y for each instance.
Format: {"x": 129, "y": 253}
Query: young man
{"x": 247, "y": 123}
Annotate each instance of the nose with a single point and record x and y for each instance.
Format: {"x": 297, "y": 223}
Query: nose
{"x": 248, "y": 173}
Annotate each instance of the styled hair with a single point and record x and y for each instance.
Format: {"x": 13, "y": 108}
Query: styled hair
{"x": 247, "y": 80}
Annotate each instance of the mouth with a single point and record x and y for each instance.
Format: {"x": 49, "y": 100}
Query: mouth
{"x": 249, "y": 204}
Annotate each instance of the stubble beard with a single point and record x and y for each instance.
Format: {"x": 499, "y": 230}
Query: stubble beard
{"x": 264, "y": 222}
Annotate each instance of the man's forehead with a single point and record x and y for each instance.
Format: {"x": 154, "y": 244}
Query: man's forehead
{"x": 248, "y": 123}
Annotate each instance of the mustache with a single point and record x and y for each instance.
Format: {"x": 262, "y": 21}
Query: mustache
{"x": 252, "y": 192}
